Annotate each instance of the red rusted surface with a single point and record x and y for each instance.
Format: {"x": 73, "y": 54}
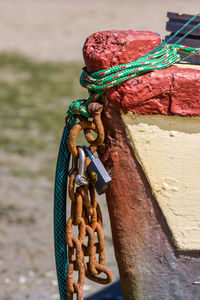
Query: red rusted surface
{"x": 167, "y": 92}
{"x": 107, "y": 49}
{"x": 149, "y": 265}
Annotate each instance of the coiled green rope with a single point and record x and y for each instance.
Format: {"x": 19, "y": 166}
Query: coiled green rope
{"x": 97, "y": 83}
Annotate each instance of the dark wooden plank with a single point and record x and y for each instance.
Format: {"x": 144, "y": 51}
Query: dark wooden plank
{"x": 182, "y": 17}
{"x": 176, "y": 21}
{"x": 186, "y": 41}
{"x": 174, "y": 26}
{"x": 195, "y": 59}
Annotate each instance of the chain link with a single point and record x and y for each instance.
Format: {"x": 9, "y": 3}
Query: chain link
{"x": 86, "y": 216}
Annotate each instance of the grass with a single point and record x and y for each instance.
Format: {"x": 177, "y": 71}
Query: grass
{"x": 7, "y": 209}
{"x": 34, "y": 97}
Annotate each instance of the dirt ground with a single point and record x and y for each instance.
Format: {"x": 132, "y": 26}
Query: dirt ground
{"x": 56, "y": 30}
{"x": 48, "y": 30}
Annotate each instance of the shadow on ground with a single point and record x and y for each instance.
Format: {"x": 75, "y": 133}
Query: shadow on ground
{"x": 113, "y": 292}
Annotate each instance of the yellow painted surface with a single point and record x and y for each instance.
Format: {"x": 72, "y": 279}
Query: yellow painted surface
{"x": 168, "y": 149}
{"x": 188, "y": 66}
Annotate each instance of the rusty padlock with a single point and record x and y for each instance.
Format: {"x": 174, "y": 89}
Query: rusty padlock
{"x": 97, "y": 169}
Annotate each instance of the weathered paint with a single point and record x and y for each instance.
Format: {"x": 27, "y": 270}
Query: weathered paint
{"x": 149, "y": 264}
{"x": 106, "y": 49}
{"x": 168, "y": 149}
{"x": 166, "y": 92}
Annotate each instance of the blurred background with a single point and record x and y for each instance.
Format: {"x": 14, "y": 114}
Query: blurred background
{"x": 40, "y": 63}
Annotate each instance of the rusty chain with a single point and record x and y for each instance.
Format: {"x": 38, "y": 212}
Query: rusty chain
{"x": 85, "y": 214}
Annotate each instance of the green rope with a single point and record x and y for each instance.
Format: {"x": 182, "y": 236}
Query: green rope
{"x": 185, "y": 35}
{"x": 99, "y": 82}
{"x": 186, "y": 57}
{"x": 183, "y": 27}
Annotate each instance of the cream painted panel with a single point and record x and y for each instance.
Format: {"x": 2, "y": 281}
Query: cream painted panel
{"x": 168, "y": 149}
{"x": 187, "y": 66}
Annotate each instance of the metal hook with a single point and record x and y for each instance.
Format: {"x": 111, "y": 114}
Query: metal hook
{"x": 80, "y": 177}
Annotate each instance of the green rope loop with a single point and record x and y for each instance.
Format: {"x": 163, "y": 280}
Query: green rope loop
{"x": 97, "y": 83}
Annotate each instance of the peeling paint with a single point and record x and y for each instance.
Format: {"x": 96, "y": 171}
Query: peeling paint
{"x": 168, "y": 149}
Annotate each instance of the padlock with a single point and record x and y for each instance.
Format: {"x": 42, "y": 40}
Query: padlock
{"x": 97, "y": 169}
